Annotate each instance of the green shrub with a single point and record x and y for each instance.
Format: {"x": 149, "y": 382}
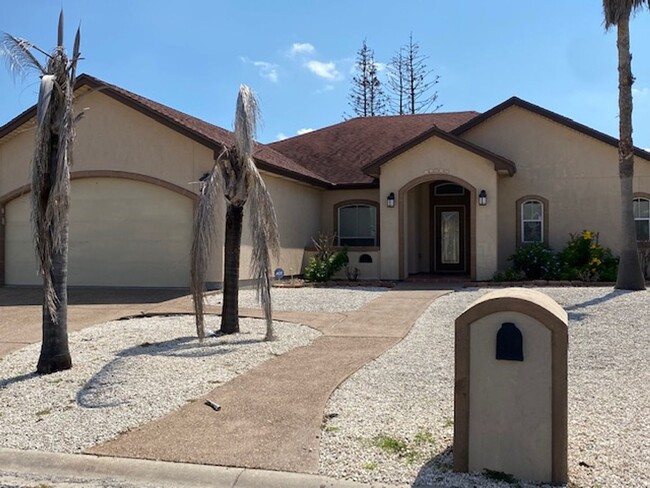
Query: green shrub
{"x": 584, "y": 259}
{"x": 509, "y": 275}
{"x": 536, "y": 261}
{"x": 327, "y": 261}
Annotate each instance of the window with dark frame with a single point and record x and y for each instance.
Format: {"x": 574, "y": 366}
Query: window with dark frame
{"x": 532, "y": 221}
{"x": 642, "y": 218}
{"x": 357, "y": 225}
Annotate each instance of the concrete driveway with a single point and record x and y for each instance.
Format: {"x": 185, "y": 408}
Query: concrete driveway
{"x": 21, "y": 309}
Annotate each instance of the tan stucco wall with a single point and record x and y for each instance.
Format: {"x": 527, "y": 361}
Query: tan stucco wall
{"x": 510, "y": 425}
{"x": 298, "y": 209}
{"x": 122, "y": 232}
{"x": 436, "y": 159}
{"x": 114, "y": 137}
{"x": 419, "y": 227}
{"x": 15, "y": 160}
{"x": 576, "y": 173}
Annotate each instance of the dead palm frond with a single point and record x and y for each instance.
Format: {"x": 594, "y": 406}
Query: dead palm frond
{"x": 50, "y": 185}
{"x": 615, "y": 10}
{"x": 53, "y": 146}
{"x": 235, "y": 176}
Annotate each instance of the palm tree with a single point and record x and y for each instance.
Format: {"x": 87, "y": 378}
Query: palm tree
{"x": 50, "y": 185}
{"x": 235, "y": 175}
{"x": 617, "y": 13}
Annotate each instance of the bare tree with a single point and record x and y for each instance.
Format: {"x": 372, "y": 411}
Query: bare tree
{"x": 235, "y": 176}
{"x": 366, "y": 97}
{"x": 397, "y": 96}
{"x": 411, "y": 82}
{"x": 617, "y": 13}
{"x": 50, "y": 185}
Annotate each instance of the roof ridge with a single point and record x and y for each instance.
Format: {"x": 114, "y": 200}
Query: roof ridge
{"x": 372, "y": 117}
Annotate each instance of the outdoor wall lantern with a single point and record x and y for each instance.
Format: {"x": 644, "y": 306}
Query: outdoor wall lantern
{"x": 482, "y": 198}
{"x": 390, "y": 201}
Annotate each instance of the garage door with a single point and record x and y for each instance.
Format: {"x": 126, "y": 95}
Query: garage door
{"x": 122, "y": 233}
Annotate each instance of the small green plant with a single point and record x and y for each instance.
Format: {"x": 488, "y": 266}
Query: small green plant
{"x": 449, "y": 422}
{"x": 389, "y": 444}
{"x": 499, "y": 476}
{"x": 371, "y": 466}
{"x": 327, "y": 261}
{"x": 424, "y": 438}
{"x": 332, "y": 428}
{"x": 42, "y": 413}
{"x": 509, "y": 275}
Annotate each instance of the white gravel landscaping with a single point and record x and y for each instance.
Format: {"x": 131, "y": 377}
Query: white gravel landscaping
{"x": 392, "y": 421}
{"x": 126, "y": 373}
{"x": 308, "y": 299}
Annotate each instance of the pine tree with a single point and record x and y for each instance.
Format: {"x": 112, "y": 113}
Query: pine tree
{"x": 411, "y": 82}
{"x": 367, "y": 97}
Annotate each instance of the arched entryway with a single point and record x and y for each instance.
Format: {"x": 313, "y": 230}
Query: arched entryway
{"x": 437, "y": 223}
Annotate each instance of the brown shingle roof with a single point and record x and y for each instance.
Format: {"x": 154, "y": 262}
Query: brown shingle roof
{"x": 339, "y": 152}
{"x": 207, "y": 134}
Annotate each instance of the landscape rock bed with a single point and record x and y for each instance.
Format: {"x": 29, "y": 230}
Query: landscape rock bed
{"x": 392, "y": 421}
{"x": 126, "y": 373}
{"x": 309, "y": 299}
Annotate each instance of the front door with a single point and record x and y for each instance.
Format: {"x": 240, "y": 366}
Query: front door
{"x": 449, "y": 228}
{"x": 450, "y": 240}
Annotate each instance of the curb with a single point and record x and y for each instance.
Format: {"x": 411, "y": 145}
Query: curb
{"x": 162, "y": 473}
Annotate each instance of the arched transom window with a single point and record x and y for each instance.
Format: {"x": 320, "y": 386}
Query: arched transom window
{"x": 642, "y": 218}
{"x": 357, "y": 225}
{"x": 532, "y": 221}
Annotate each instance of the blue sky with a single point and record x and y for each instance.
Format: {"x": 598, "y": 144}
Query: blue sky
{"x": 192, "y": 55}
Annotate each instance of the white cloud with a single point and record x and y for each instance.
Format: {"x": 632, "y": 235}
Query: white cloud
{"x": 301, "y": 48}
{"x": 281, "y": 136}
{"x": 643, "y": 92}
{"x": 304, "y": 131}
{"x": 380, "y": 66}
{"x": 324, "y": 70}
{"x": 266, "y": 70}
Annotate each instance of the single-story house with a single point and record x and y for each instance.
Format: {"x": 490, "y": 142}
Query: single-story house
{"x": 433, "y": 193}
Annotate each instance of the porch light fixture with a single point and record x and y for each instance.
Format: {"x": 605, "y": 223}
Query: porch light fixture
{"x": 482, "y": 198}
{"x": 390, "y": 200}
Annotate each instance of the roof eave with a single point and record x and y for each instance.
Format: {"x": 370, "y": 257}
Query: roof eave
{"x": 501, "y": 164}
{"x": 555, "y": 117}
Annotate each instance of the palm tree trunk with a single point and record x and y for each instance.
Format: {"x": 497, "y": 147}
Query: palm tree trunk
{"x": 230, "y": 311}
{"x": 55, "y": 353}
{"x": 630, "y": 276}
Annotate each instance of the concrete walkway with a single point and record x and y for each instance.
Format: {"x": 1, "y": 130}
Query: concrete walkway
{"x": 21, "y": 310}
{"x": 271, "y": 416}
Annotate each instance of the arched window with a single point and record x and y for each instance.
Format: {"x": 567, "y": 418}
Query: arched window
{"x": 642, "y": 218}
{"x": 357, "y": 224}
{"x": 532, "y": 221}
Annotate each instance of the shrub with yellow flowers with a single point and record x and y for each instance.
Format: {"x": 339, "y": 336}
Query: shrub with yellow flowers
{"x": 585, "y": 259}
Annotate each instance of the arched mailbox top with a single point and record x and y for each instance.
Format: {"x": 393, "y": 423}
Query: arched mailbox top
{"x": 525, "y": 300}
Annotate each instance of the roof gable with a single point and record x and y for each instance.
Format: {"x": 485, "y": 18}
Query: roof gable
{"x": 555, "y": 117}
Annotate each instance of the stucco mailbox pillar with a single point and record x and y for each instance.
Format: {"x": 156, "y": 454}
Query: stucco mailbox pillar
{"x": 510, "y": 397}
